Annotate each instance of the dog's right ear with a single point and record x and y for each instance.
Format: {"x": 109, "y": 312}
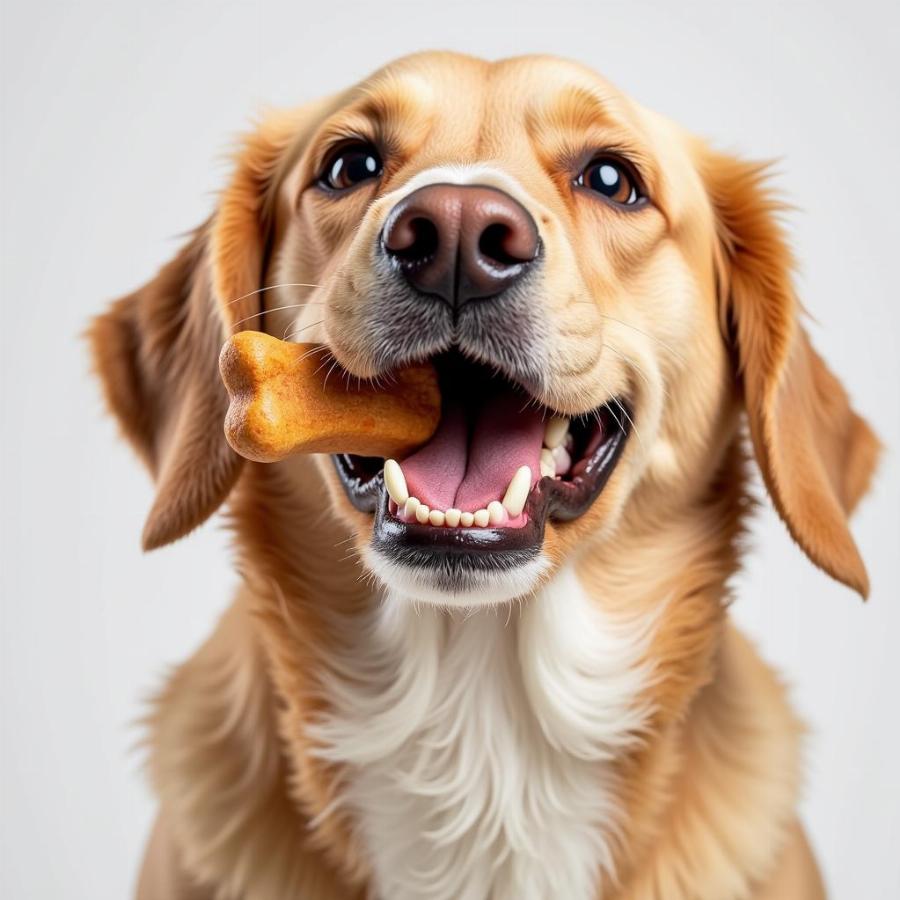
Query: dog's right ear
{"x": 156, "y": 350}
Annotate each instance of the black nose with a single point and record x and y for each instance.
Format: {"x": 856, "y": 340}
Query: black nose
{"x": 460, "y": 242}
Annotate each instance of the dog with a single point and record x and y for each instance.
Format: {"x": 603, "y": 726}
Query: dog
{"x": 463, "y": 687}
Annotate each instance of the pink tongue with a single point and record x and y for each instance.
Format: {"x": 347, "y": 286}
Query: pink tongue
{"x": 467, "y": 465}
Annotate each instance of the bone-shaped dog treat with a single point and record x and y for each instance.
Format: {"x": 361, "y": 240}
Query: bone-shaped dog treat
{"x": 283, "y": 401}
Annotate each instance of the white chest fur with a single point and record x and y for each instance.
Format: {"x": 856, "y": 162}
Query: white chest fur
{"x": 477, "y": 746}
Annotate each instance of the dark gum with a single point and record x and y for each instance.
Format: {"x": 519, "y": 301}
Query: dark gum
{"x": 561, "y": 500}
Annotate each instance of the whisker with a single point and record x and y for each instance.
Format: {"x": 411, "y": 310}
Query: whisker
{"x": 262, "y": 312}
{"x": 636, "y": 367}
{"x": 633, "y": 426}
{"x": 296, "y": 331}
{"x": 328, "y": 374}
{"x": 316, "y": 348}
{"x": 272, "y": 287}
{"x": 661, "y": 343}
{"x": 533, "y": 401}
{"x": 322, "y": 366}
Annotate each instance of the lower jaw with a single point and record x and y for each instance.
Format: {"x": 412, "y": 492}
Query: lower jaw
{"x": 476, "y": 549}
{"x": 461, "y": 557}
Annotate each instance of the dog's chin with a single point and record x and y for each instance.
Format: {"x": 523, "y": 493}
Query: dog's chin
{"x": 499, "y": 467}
{"x": 455, "y": 582}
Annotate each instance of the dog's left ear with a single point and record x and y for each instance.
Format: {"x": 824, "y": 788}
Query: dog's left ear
{"x": 816, "y": 454}
{"x": 156, "y": 350}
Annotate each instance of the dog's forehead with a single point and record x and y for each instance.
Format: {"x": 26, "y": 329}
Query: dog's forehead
{"x": 463, "y": 100}
{"x": 526, "y": 114}
{"x": 455, "y": 75}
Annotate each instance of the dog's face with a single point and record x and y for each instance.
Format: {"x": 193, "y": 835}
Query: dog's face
{"x": 541, "y": 238}
{"x": 598, "y": 293}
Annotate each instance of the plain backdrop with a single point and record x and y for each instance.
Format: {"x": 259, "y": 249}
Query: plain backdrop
{"x": 116, "y": 122}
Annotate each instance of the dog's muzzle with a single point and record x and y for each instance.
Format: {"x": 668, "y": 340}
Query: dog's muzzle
{"x": 457, "y": 281}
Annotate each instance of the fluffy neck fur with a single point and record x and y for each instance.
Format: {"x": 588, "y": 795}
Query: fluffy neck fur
{"x": 478, "y": 748}
{"x": 296, "y": 758}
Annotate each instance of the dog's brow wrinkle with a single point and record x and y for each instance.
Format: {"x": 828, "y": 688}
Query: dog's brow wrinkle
{"x": 392, "y": 96}
{"x": 576, "y": 106}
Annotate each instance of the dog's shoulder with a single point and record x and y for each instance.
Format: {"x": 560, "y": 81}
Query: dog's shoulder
{"x": 227, "y": 817}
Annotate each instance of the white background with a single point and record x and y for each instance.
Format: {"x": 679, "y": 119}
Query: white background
{"x": 114, "y": 122}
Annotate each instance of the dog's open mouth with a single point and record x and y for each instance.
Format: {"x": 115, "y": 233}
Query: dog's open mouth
{"x": 485, "y": 484}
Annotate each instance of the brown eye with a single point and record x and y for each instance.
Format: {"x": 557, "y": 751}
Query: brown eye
{"x": 608, "y": 176}
{"x": 350, "y": 166}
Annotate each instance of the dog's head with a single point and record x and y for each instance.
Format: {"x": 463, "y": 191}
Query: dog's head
{"x": 601, "y": 295}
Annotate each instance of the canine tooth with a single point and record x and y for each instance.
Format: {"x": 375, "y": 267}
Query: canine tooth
{"x": 422, "y": 512}
{"x": 436, "y": 517}
{"x": 395, "y": 482}
{"x": 482, "y": 517}
{"x": 517, "y": 492}
{"x": 409, "y": 510}
{"x": 555, "y": 432}
{"x": 547, "y": 471}
{"x": 452, "y": 517}
{"x": 466, "y": 519}
{"x": 496, "y": 512}
{"x": 562, "y": 460}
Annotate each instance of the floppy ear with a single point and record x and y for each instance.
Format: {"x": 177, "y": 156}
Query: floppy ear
{"x": 816, "y": 454}
{"x": 156, "y": 350}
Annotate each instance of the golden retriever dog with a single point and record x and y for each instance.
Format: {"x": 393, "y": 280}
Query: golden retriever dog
{"x": 477, "y": 681}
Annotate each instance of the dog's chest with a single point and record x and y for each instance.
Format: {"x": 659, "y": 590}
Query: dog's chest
{"x": 477, "y": 748}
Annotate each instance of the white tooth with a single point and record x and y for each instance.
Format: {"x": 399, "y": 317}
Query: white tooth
{"x": 547, "y": 457}
{"x": 466, "y": 519}
{"x": 395, "y": 482}
{"x": 411, "y": 506}
{"x": 547, "y": 471}
{"x": 496, "y": 512}
{"x": 562, "y": 459}
{"x": 436, "y": 517}
{"x": 482, "y": 517}
{"x": 517, "y": 492}
{"x": 422, "y": 512}
{"x": 555, "y": 432}
{"x": 452, "y": 517}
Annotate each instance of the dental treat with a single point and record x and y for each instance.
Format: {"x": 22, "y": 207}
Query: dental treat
{"x": 286, "y": 399}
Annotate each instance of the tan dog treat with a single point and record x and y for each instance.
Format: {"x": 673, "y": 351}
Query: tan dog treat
{"x": 283, "y": 401}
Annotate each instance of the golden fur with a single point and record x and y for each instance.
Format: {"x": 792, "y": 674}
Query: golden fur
{"x": 695, "y": 303}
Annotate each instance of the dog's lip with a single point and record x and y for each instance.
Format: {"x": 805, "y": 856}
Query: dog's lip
{"x": 550, "y": 498}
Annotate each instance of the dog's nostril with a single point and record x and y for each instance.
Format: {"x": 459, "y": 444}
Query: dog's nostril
{"x": 423, "y": 242}
{"x": 411, "y": 240}
{"x": 494, "y": 244}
